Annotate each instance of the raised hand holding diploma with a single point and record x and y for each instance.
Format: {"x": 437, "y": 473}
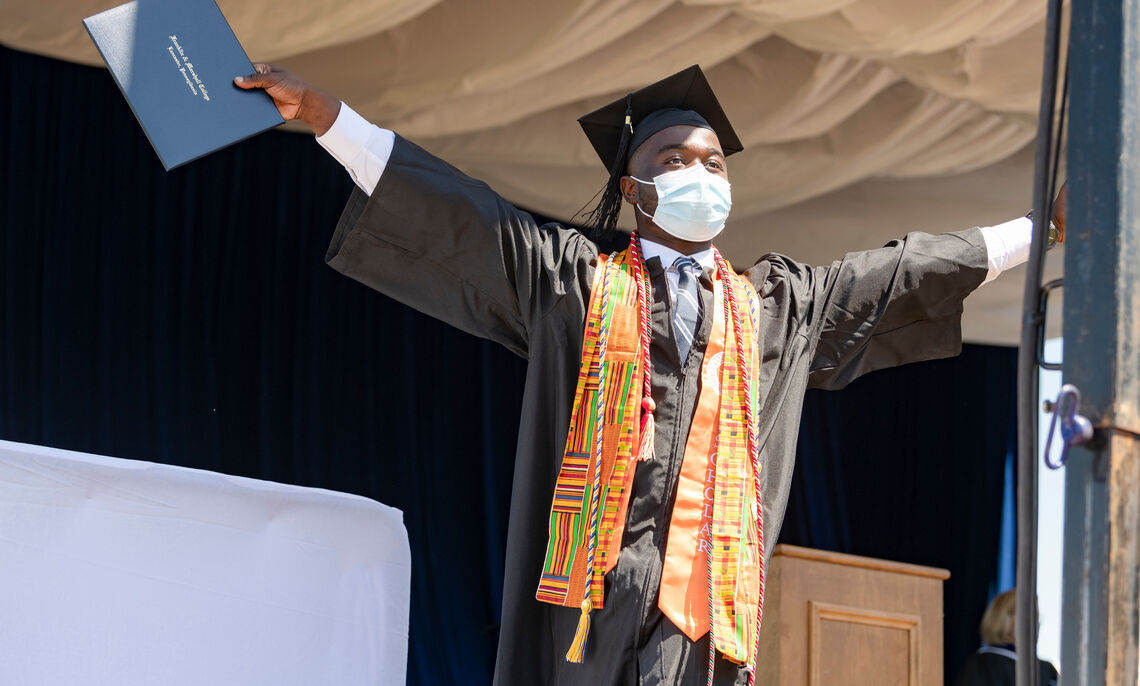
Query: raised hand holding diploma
{"x": 294, "y": 98}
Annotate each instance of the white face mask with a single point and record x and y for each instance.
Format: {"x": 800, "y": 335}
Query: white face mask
{"x": 692, "y": 203}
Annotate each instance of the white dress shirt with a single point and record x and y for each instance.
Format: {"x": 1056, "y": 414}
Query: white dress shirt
{"x": 668, "y": 255}
{"x": 363, "y": 148}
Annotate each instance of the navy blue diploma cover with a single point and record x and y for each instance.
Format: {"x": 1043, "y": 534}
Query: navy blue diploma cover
{"x": 175, "y": 61}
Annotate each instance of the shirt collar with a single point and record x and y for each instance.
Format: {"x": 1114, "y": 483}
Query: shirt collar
{"x": 1005, "y": 650}
{"x": 667, "y": 255}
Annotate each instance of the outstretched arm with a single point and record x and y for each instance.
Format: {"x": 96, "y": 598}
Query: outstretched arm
{"x": 897, "y": 304}
{"x": 427, "y": 235}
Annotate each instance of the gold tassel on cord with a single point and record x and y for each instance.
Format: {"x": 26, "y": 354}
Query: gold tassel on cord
{"x": 577, "y": 651}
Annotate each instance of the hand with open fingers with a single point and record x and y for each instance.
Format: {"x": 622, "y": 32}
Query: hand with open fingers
{"x": 293, "y": 96}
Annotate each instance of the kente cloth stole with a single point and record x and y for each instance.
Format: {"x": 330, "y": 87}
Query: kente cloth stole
{"x": 564, "y": 573}
{"x": 716, "y": 525}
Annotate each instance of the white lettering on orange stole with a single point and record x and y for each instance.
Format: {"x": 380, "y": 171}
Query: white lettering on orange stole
{"x": 704, "y": 538}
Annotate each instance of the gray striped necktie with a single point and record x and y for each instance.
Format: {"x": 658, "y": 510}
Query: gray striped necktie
{"x": 688, "y": 311}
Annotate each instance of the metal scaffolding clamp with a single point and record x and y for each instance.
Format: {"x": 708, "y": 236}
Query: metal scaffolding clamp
{"x": 1076, "y": 429}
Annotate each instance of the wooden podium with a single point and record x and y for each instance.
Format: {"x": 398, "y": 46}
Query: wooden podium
{"x": 841, "y": 620}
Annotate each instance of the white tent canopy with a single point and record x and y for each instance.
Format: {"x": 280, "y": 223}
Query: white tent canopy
{"x": 861, "y": 119}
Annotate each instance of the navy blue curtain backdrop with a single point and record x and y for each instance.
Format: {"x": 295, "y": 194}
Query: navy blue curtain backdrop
{"x": 188, "y": 318}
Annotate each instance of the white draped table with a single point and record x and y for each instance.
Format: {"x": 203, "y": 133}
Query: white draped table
{"x": 123, "y": 572}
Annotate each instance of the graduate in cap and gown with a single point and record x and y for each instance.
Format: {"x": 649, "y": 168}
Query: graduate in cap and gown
{"x": 664, "y": 385}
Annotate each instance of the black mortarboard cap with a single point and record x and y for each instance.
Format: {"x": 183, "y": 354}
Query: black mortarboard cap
{"x": 671, "y": 102}
{"x": 617, "y": 129}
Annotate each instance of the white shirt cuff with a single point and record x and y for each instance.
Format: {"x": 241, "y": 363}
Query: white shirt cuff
{"x": 1007, "y": 245}
{"x": 361, "y": 147}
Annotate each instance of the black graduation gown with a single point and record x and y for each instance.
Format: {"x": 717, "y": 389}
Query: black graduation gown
{"x": 447, "y": 245}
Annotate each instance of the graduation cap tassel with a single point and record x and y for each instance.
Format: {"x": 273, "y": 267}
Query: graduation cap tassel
{"x": 604, "y": 216}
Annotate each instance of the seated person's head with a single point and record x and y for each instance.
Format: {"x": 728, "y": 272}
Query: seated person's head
{"x": 998, "y": 622}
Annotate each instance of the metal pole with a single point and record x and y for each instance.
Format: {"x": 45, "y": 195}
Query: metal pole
{"x": 1025, "y": 631}
{"x": 1100, "y": 626}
